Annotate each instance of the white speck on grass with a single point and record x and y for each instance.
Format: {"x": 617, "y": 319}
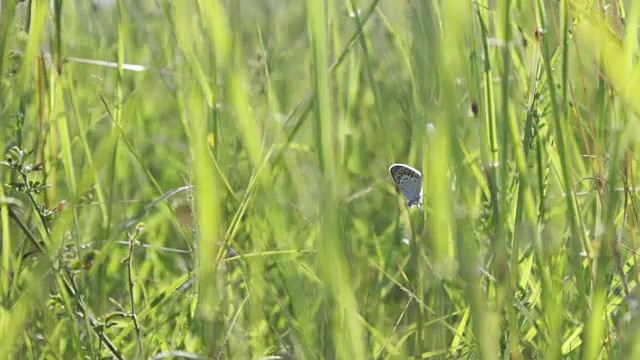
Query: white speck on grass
{"x": 357, "y": 12}
{"x": 430, "y": 128}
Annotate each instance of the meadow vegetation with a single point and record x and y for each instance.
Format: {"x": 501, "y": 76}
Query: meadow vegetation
{"x": 208, "y": 179}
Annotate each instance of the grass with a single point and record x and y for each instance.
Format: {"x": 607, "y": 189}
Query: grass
{"x": 208, "y": 179}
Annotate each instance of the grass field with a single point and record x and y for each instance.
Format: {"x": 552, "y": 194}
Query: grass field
{"x": 209, "y": 179}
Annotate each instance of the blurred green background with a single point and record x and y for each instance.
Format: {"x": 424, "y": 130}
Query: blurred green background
{"x": 209, "y": 179}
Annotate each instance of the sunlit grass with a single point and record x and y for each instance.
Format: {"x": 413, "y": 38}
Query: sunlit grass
{"x": 208, "y": 179}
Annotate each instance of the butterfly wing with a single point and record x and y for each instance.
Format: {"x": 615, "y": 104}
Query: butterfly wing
{"x": 409, "y": 181}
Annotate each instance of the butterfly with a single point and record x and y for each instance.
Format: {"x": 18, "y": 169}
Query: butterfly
{"x": 409, "y": 181}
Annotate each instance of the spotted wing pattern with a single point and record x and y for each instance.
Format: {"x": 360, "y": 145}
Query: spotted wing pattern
{"x": 409, "y": 181}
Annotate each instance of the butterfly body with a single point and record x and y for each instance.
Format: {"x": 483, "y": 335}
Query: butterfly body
{"x": 409, "y": 181}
